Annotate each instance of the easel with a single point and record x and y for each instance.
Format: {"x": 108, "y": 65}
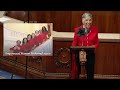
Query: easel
{"x": 26, "y": 65}
{"x": 14, "y": 65}
{"x": 27, "y": 58}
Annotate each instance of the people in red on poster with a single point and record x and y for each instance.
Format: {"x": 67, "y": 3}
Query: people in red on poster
{"x": 44, "y": 33}
{"x": 30, "y": 42}
{"x": 33, "y": 35}
{"x": 37, "y": 37}
{"x": 34, "y": 40}
{"x": 40, "y": 36}
{"x": 24, "y": 46}
{"x": 40, "y": 31}
{"x": 44, "y": 29}
{"x": 43, "y": 37}
{"x": 37, "y": 33}
{"x": 16, "y": 48}
{"x": 85, "y": 35}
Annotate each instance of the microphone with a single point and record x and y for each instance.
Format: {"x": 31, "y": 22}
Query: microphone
{"x": 87, "y": 31}
{"x": 82, "y": 32}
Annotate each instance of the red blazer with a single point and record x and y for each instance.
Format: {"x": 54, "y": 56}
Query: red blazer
{"x": 44, "y": 36}
{"x": 25, "y": 48}
{"x": 39, "y": 39}
{"x": 90, "y": 39}
{"x": 31, "y": 44}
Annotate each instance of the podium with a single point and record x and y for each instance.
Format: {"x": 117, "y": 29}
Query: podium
{"x": 81, "y": 53}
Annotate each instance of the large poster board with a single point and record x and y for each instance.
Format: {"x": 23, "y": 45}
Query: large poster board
{"x": 29, "y": 39}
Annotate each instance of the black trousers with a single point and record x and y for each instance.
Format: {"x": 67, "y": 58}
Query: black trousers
{"x": 89, "y": 66}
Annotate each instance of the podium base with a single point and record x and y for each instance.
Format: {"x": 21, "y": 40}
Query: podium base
{"x": 82, "y": 76}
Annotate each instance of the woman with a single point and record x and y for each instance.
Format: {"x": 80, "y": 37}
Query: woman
{"x": 31, "y": 42}
{"x": 16, "y": 48}
{"x": 44, "y": 33}
{"x": 24, "y": 47}
{"x": 44, "y": 29}
{"x": 36, "y": 33}
{"x": 85, "y": 35}
{"x": 33, "y": 35}
{"x": 34, "y": 41}
{"x": 38, "y": 39}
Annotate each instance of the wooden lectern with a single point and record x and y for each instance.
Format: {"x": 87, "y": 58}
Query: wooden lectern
{"x": 80, "y": 57}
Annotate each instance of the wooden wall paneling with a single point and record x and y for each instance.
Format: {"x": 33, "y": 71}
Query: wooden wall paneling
{"x": 35, "y": 62}
{"x": 116, "y": 57}
{"x": 50, "y": 60}
{"x": 62, "y": 21}
{"x": 106, "y": 21}
{"x": 32, "y": 16}
{"x": 107, "y": 59}
{"x": 20, "y": 15}
{"x": 50, "y": 64}
{"x": 99, "y": 59}
{"x": 35, "y": 67}
{"x": 58, "y": 46}
{"x": 117, "y": 21}
{"x": 40, "y": 16}
{"x": 21, "y": 59}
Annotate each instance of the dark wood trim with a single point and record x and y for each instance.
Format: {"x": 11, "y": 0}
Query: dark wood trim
{"x": 110, "y": 40}
{"x": 71, "y": 39}
{"x": 62, "y": 39}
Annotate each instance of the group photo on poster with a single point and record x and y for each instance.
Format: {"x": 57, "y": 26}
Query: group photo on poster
{"x": 29, "y": 39}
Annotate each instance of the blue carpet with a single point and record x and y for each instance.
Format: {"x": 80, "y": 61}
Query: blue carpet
{"x": 8, "y": 75}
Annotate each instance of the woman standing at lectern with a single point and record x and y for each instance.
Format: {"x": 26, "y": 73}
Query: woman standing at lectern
{"x": 85, "y": 35}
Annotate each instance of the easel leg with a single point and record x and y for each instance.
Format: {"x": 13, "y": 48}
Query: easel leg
{"x": 14, "y": 65}
{"x": 26, "y": 67}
